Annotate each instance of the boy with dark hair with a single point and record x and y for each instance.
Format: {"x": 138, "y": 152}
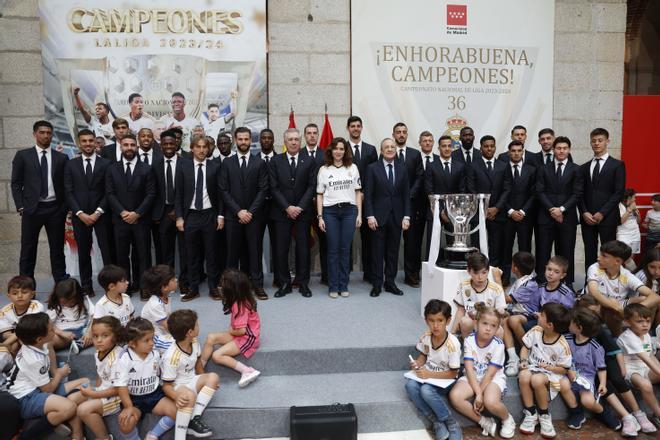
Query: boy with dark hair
{"x": 184, "y": 380}
{"x": 20, "y": 291}
{"x": 29, "y": 381}
{"x": 115, "y": 302}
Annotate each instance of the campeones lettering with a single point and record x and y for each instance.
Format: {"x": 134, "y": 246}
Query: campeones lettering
{"x": 162, "y": 21}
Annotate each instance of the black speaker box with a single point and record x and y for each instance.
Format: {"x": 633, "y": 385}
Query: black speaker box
{"x": 329, "y": 422}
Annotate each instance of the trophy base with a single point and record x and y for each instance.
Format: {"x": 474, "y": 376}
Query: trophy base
{"x": 456, "y": 259}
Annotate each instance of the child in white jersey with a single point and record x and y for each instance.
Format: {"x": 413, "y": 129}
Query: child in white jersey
{"x": 71, "y": 311}
{"x": 103, "y": 399}
{"x": 440, "y": 358}
{"x": 184, "y": 380}
{"x": 20, "y": 291}
{"x": 138, "y": 382}
{"x": 544, "y": 359}
{"x": 483, "y": 354}
{"x": 642, "y": 369}
{"x": 478, "y": 289}
{"x": 159, "y": 282}
{"x": 115, "y": 302}
{"x": 649, "y": 274}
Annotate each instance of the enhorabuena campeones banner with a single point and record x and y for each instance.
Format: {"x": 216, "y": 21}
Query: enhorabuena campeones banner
{"x": 211, "y": 52}
{"x": 442, "y": 65}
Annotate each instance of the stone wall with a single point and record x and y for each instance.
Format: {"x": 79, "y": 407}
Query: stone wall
{"x": 309, "y": 65}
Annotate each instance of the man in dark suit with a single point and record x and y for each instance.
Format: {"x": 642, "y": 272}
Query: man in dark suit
{"x": 148, "y": 152}
{"x": 112, "y": 151}
{"x": 163, "y": 213}
{"x": 466, "y": 154}
{"x": 545, "y": 156}
{"x": 243, "y": 187}
{"x": 131, "y": 190}
{"x": 412, "y": 160}
{"x": 519, "y": 206}
{"x": 198, "y": 209}
{"x": 84, "y": 186}
{"x": 518, "y": 133}
{"x": 37, "y": 186}
{"x": 267, "y": 143}
{"x": 558, "y": 188}
{"x": 604, "y": 180}
{"x": 490, "y": 177}
{"x": 363, "y": 155}
{"x": 292, "y": 179}
{"x": 387, "y": 206}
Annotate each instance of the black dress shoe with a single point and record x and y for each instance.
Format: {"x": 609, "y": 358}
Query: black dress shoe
{"x": 89, "y": 291}
{"x": 304, "y": 290}
{"x": 215, "y": 294}
{"x": 190, "y": 296}
{"x": 283, "y": 291}
{"x": 393, "y": 289}
{"x": 260, "y": 294}
{"x": 411, "y": 282}
{"x": 375, "y": 292}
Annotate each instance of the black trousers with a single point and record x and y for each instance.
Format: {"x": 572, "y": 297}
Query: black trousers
{"x": 11, "y": 414}
{"x": 138, "y": 235}
{"x": 169, "y": 236}
{"x": 385, "y": 242}
{"x": 590, "y": 235}
{"x": 495, "y": 242}
{"x": 49, "y": 215}
{"x": 270, "y": 224}
{"x": 412, "y": 245}
{"x": 199, "y": 230}
{"x": 283, "y": 230}
{"x": 241, "y": 238}
{"x": 84, "y": 239}
{"x": 512, "y": 229}
{"x": 563, "y": 237}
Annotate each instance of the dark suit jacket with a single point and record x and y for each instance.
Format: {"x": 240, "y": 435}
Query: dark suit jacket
{"x": 554, "y": 193}
{"x": 380, "y": 198}
{"x": 535, "y": 159}
{"x": 287, "y": 191}
{"x": 415, "y": 171}
{"x": 185, "y": 186}
{"x": 157, "y": 154}
{"x": 158, "y": 167}
{"x": 319, "y": 155}
{"x": 457, "y": 155}
{"x": 368, "y": 155}
{"x": 605, "y": 192}
{"x": 110, "y": 152}
{"x": 522, "y": 194}
{"x": 26, "y": 178}
{"x": 243, "y": 192}
{"x": 80, "y": 194}
{"x": 496, "y": 183}
{"x": 436, "y": 180}
{"x": 137, "y": 195}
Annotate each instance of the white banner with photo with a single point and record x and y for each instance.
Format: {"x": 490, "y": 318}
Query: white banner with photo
{"x": 440, "y": 66}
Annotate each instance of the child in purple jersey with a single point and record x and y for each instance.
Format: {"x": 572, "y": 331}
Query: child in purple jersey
{"x": 580, "y": 383}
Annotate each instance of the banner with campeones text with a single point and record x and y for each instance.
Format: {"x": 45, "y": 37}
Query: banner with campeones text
{"x": 441, "y": 65}
{"x": 211, "y": 52}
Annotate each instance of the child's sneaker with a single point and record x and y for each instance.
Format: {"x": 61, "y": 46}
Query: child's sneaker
{"x": 645, "y": 424}
{"x": 576, "y": 418}
{"x": 528, "y": 425}
{"x": 454, "y": 429}
{"x": 345, "y": 294}
{"x": 608, "y": 418}
{"x": 74, "y": 348}
{"x": 508, "y": 429}
{"x": 333, "y": 295}
{"x": 511, "y": 369}
{"x": 440, "y": 431}
{"x": 247, "y": 378}
{"x": 630, "y": 426}
{"x": 489, "y": 426}
{"x": 547, "y": 430}
{"x": 197, "y": 428}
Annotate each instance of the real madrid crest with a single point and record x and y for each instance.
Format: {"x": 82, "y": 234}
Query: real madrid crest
{"x": 454, "y": 125}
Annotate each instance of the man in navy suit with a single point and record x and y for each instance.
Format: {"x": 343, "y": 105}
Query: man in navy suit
{"x": 387, "y": 208}
{"x": 130, "y": 191}
{"x": 243, "y": 188}
{"x": 363, "y": 155}
{"x": 112, "y": 151}
{"x": 84, "y": 185}
{"x": 37, "y": 186}
{"x": 267, "y": 143}
{"x": 466, "y": 154}
{"x": 604, "y": 180}
{"x": 292, "y": 180}
{"x": 412, "y": 159}
{"x": 559, "y": 189}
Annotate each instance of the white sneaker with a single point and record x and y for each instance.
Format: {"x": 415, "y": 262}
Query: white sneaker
{"x": 248, "y": 378}
{"x": 508, "y": 429}
{"x": 528, "y": 425}
{"x": 333, "y": 295}
{"x": 547, "y": 430}
{"x": 489, "y": 426}
{"x": 345, "y": 294}
{"x": 511, "y": 369}
{"x": 73, "y": 348}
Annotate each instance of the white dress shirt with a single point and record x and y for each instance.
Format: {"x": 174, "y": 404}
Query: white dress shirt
{"x": 424, "y": 156}
{"x": 602, "y": 158}
{"x": 150, "y": 155}
{"x": 49, "y": 159}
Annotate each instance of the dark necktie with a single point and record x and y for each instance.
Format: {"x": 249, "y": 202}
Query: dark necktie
{"x": 88, "y": 170}
{"x": 516, "y": 173}
{"x": 428, "y": 161}
{"x": 559, "y": 165}
{"x": 169, "y": 184}
{"x": 129, "y": 175}
{"x": 447, "y": 170}
{"x": 468, "y": 157}
{"x": 146, "y": 158}
{"x": 390, "y": 174}
{"x": 596, "y": 172}
{"x": 489, "y": 167}
{"x": 267, "y": 158}
{"x": 401, "y": 157}
{"x": 243, "y": 167}
{"x": 356, "y": 156}
{"x": 293, "y": 168}
{"x": 199, "y": 188}
{"x": 44, "y": 175}
{"x": 548, "y": 158}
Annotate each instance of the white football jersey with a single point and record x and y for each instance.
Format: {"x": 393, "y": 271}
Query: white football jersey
{"x": 30, "y": 371}
{"x": 483, "y": 357}
{"x": 556, "y": 353}
{"x": 492, "y": 296}
{"x": 9, "y": 318}
{"x": 620, "y": 288}
{"x": 106, "y": 367}
{"x": 446, "y": 356}
{"x": 69, "y": 319}
{"x": 141, "y": 376}
{"x": 157, "y": 311}
{"x": 122, "y": 311}
{"x": 179, "y": 366}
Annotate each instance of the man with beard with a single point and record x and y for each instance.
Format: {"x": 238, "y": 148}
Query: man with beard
{"x": 136, "y": 117}
{"x": 243, "y": 187}
{"x": 130, "y": 191}
{"x": 148, "y": 152}
{"x": 466, "y": 154}
{"x": 179, "y": 119}
{"x": 216, "y": 124}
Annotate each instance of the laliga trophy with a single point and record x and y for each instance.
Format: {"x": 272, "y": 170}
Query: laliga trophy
{"x": 460, "y": 209}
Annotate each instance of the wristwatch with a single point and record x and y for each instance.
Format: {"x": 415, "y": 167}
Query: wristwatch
{"x": 319, "y": 216}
